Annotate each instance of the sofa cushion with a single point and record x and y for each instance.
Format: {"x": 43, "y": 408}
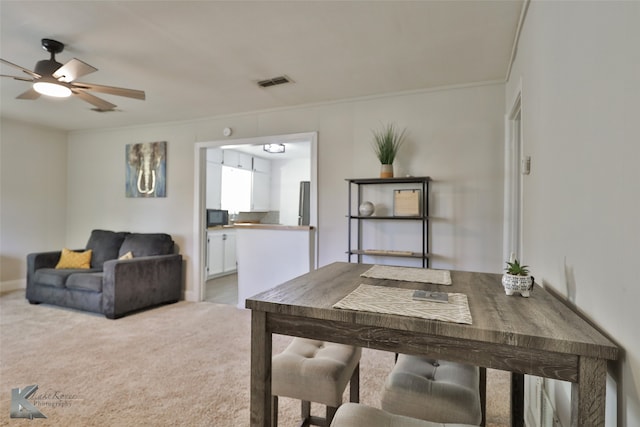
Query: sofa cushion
{"x": 85, "y": 281}
{"x": 105, "y": 245}
{"x": 147, "y": 244}
{"x": 74, "y": 260}
{"x": 55, "y": 277}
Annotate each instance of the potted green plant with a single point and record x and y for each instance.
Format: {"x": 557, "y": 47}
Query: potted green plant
{"x": 517, "y": 279}
{"x": 386, "y": 143}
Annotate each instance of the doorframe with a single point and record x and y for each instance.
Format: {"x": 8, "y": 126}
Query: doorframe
{"x": 513, "y": 181}
{"x": 199, "y": 196}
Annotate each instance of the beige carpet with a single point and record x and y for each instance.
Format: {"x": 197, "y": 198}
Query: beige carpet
{"x": 181, "y": 364}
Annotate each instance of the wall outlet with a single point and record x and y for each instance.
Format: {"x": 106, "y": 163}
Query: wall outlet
{"x": 525, "y": 165}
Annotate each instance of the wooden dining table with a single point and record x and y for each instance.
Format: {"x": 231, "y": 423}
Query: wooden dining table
{"x": 539, "y": 335}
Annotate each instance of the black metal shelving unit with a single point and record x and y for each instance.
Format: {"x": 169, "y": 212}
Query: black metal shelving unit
{"x": 356, "y": 249}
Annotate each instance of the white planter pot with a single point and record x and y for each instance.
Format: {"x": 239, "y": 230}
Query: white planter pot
{"x": 520, "y": 284}
{"x": 386, "y": 171}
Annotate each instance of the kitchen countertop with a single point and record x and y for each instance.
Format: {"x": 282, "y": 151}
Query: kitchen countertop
{"x": 219, "y": 227}
{"x": 248, "y": 225}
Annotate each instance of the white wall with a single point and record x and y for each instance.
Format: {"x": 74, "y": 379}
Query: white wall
{"x": 455, "y": 136}
{"x": 285, "y": 183}
{"x": 579, "y": 67}
{"x": 33, "y": 196}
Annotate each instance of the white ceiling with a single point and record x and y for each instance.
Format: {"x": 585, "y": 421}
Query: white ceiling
{"x": 199, "y": 59}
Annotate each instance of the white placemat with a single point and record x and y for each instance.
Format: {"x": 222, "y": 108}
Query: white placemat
{"x": 409, "y": 274}
{"x": 381, "y": 299}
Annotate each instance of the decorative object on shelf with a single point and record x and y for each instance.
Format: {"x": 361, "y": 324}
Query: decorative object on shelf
{"x": 517, "y": 278}
{"x": 406, "y": 202}
{"x": 366, "y": 209}
{"x": 386, "y": 143}
{"x": 388, "y": 252}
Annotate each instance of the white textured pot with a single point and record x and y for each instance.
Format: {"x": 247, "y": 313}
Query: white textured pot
{"x": 521, "y": 284}
{"x": 386, "y": 171}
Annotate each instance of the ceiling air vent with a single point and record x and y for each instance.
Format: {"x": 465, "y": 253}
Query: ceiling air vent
{"x": 280, "y": 80}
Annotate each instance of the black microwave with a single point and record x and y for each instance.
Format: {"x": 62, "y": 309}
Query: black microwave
{"x": 217, "y": 217}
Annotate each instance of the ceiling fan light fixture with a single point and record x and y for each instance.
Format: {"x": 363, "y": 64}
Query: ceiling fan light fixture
{"x": 51, "y": 78}
{"x": 52, "y": 89}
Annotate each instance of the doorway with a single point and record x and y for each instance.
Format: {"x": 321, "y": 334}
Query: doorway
{"x": 513, "y": 183}
{"x": 224, "y": 292}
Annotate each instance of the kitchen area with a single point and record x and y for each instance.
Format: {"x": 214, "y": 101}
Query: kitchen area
{"x": 258, "y": 215}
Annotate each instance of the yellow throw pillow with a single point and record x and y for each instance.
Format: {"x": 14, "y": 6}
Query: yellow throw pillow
{"x": 75, "y": 260}
{"x": 128, "y": 255}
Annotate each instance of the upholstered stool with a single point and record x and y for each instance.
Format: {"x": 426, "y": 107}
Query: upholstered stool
{"x": 356, "y": 415}
{"x": 315, "y": 371}
{"x": 431, "y": 390}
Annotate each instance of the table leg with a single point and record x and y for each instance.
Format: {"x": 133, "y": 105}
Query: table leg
{"x": 517, "y": 400}
{"x": 260, "y": 370}
{"x": 588, "y": 396}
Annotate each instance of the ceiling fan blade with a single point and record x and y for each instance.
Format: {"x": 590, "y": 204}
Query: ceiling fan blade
{"x": 31, "y": 73}
{"x": 72, "y": 70}
{"x": 119, "y": 91}
{"x": 29, "y": 94}
{"x": 101, "y": 104}
{"x": 24, "y": 79}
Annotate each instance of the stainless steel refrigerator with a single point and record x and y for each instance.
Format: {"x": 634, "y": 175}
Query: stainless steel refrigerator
{"x": 303, "y": 203}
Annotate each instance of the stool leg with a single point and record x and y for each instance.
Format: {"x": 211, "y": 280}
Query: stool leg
{"x": 274, "y": 411}
{"x": 331, "y": 412}
{"x": 305, "y": 411}
{"x": 354, "y": 386}
{"x": 483, "y": 395}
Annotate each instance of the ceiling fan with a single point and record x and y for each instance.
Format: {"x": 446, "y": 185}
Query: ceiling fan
{"x": 54, "y": 79}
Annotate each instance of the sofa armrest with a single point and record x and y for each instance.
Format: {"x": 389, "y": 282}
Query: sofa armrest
{"x": 42, "y": 260}
{"x": 39, "y": 260}
{"x": 36, "y": 261}
{"x": 133, "y": 284}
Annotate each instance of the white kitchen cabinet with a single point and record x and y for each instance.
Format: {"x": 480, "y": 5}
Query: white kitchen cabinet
{"x": 229, "y": 264}
{"x": 261, "y": 165}
{"x": 214, "y": 185}
{"x": 215, "y": 254}
{"x": 221, "y": 252}
{"x": 260, "y": 191}
{"x": 245, "y": 161}
{"x": 237, "y": 159}
{"x": 261, "y": 185}
{"x": 214, "y": 155}
{"x": 230, "y": 158}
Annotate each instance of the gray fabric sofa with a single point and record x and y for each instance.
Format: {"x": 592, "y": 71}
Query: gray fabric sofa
{"x": 111, "y": 286}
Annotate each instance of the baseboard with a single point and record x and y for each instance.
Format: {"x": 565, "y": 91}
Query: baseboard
{"x": 13, "y": 285}
{"x": 190, "y": 296}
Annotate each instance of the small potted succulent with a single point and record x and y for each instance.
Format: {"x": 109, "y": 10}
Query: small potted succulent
{"x": 517, "y": 278}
